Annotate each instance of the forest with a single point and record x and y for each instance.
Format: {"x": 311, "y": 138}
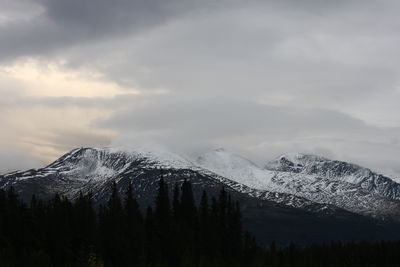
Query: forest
{"x": 175, "y": 231}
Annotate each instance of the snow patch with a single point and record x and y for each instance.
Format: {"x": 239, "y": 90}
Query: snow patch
{"x": 236, "y": 168}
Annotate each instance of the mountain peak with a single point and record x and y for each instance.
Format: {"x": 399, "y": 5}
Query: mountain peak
{"x": 294, "y": 162}
{"x": 319, "y": 166}
{"x": 107, "y": 155}
{"x": 310, "y": 177}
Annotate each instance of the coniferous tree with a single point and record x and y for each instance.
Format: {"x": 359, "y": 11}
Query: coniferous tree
{"x": 151, "y": 239}
{"x": 176, "y": 202}
{"x": 187, "y": 203}
{"x": 204, "y": 213}
{"x": 222, "y": 221}
{"x": 133, "y": 228}
{"x": 132, "y": 208}
{"x": 205, "y": 229}
{"x": 163, "y": 221}
{"x": 63, "y": 233}
{"x": 114, "y": 237}
{"x": 114, "y": 204}
{"x": 163, "y": 211}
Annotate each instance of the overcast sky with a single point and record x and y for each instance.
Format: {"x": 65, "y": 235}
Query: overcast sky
{"x": 261, "y": 78}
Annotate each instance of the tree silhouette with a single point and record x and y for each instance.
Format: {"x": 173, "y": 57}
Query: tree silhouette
{"x": 61, "y": 233}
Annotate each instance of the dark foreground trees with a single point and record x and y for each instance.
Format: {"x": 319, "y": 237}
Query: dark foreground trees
{"x": 175, "y": 232}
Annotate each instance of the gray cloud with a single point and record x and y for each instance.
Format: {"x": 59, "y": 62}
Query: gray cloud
{"x": 260, "y": 131}
{"x": 103, "y": 16}
{"x": 11, "y": 161}
{"x": 260, "y": 77}
{"x": 61, "y": 24}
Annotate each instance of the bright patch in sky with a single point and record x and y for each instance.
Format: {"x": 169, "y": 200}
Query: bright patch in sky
{"x": 52, "y": 80}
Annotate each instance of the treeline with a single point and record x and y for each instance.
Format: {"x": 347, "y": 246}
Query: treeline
{"x": 176, "y": 232}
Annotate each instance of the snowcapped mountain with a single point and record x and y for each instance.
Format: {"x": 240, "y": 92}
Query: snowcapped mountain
{"x": 314, "y": 178}
{"x": 342, "y": 184}
{"x": 301, "y": 181}
{"x": 297, "y": 196}
{"x": 94, "y": 169}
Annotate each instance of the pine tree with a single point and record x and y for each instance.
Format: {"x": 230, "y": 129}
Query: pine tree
{"x": 163, "y": 222}
{"x": 151, "y": 243}
{"x": 163, "y": 211}
{"x": 62, "y": 236}
{"x": 176, "y": 205}
{"x": 223, "y": 206}
{"x": 235, "y": 229}
{"x": 204, "y": 209}
{"x": 48, "y": 234}
{"x": 114, "y": 236}
{"x": 132, "y": 208}
{"x": 133, "y": 228}
{"x": 223, "y": 223}
{"x": 187, "y": 203}
{"x": 114, "y": 204}
{"x": 205, "y": 229}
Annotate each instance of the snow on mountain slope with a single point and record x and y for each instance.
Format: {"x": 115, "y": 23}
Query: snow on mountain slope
{"x": 237, "y": 168}
{"x": 314, "y": 178}
{"x": 315, "y": 165}
{"x": 295, "y": 180}
{"x": 333, "y": 171}
{"x": 113, "y": 157}
{"x": 94, "y": 169}
{"x": 98, "y": 163}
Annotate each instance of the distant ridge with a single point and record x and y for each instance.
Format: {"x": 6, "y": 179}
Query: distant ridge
{"x": 298, "y": 196}
{"x": 294, "y": 179}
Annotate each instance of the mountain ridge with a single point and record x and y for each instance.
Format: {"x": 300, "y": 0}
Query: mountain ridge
{"x": 295, "y": 180}
{"x": 289, "y": 216}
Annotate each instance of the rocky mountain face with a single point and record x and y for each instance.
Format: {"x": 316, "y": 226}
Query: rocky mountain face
{"x": 314, "y": 178}
{"x": 295, "y": 197}
{"x": 342, "y": 184}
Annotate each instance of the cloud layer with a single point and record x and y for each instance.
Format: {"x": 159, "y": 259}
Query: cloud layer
{"x": 259, "y": 77}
